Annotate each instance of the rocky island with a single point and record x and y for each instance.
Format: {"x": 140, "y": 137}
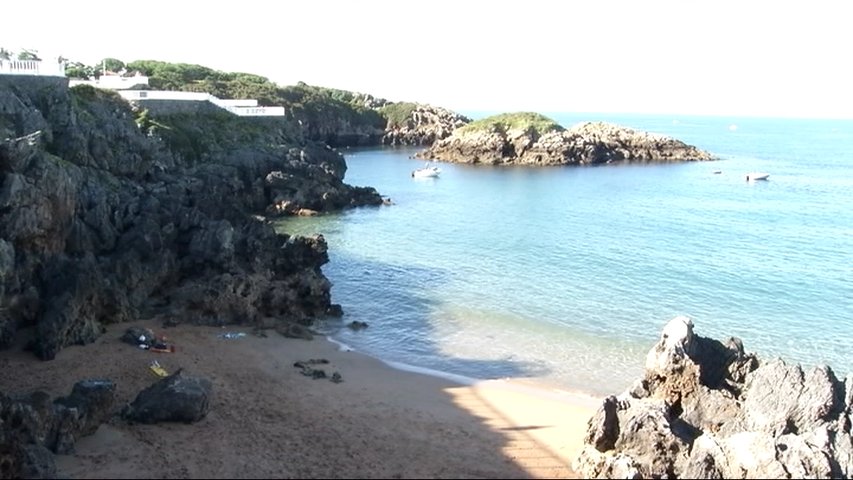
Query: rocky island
{"x": 533, "y": 139}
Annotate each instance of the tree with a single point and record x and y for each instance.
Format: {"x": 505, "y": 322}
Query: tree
{"x": 78, "y": 70}
{"x": 111, "y": 65}
{"x": 5, "y": 54}
{"x": 28, "y": 55}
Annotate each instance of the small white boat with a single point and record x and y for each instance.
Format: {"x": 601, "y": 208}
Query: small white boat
{"x": 426, "y": 172}
{"x": 753, "y": 176}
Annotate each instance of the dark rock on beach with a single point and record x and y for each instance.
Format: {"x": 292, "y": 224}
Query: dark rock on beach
{"x": 176, "y": 398}
{"x": 33, "y": 428}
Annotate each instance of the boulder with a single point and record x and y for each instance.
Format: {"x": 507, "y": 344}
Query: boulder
{"x": 176, "y": 398}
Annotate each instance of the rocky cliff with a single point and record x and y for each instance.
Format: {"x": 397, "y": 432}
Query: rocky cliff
{"x": 709, "y": 409}
{"x": 110, "y": 214}
{"x": 342, "y": 118}
{"x": 419, "y": 124}
{"x": 531, "y": 139}
{"x": 390, "y": 124}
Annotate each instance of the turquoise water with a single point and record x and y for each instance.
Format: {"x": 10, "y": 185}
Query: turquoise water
{"x": 567, "y": 275}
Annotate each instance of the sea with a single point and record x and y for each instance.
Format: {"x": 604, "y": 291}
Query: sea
{"x": 565, "y": 276}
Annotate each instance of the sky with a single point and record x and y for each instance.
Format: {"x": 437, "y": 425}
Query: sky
{"x": 688, "y": 57}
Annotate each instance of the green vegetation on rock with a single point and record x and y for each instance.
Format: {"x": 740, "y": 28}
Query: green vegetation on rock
{"x": 196, "y": 78}
{"x": 397, "y": 113}
{"x": 538, "y": 123}
{"x": 83, "y": 96}
{"x": 195, "y": 136}
{"x": 323, "y": 105}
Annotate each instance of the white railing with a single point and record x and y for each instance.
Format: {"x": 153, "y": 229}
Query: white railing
{"x": 243, "y": 108}
{"x": 32, "y": 67}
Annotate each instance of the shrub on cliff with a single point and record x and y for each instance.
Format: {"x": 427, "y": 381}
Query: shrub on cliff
{"x": 195, "y": 137}
{"x": 397, "y": 114}
{"x": 319, "y": 104}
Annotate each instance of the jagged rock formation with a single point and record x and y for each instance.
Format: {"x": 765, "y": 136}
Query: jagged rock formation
{"x": 707, "y": 409}
{"x": 417, "y": 124}
{"x": 109, "y": 215}
{"x": 32, "y": 428}
{"x": 505, "y": 140}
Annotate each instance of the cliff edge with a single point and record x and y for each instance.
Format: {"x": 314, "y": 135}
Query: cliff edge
{"x": 111, "y": 214}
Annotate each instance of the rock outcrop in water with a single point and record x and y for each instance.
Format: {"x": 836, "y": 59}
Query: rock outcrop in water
{"x": 708, "y": 409}
{"x": 109, "y": 214}
{"x": 532, "y": 139}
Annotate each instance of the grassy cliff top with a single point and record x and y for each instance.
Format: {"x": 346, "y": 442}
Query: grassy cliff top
{"x": 514, "y": 121}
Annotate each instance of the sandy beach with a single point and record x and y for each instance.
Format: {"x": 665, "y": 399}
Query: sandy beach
{"x": 268, "y": 420}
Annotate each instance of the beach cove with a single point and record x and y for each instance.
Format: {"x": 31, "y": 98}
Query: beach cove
{"x": 267, "y": 420}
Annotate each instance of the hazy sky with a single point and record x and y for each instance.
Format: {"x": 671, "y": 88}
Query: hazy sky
{"x": 743, "y": 57}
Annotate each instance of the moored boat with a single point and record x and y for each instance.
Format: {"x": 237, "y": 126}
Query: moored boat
{"x": 426, "y": 172}
{"x": 753, "y": 176}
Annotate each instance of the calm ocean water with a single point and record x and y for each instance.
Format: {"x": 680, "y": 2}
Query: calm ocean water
{"x": 567, "y": 275}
